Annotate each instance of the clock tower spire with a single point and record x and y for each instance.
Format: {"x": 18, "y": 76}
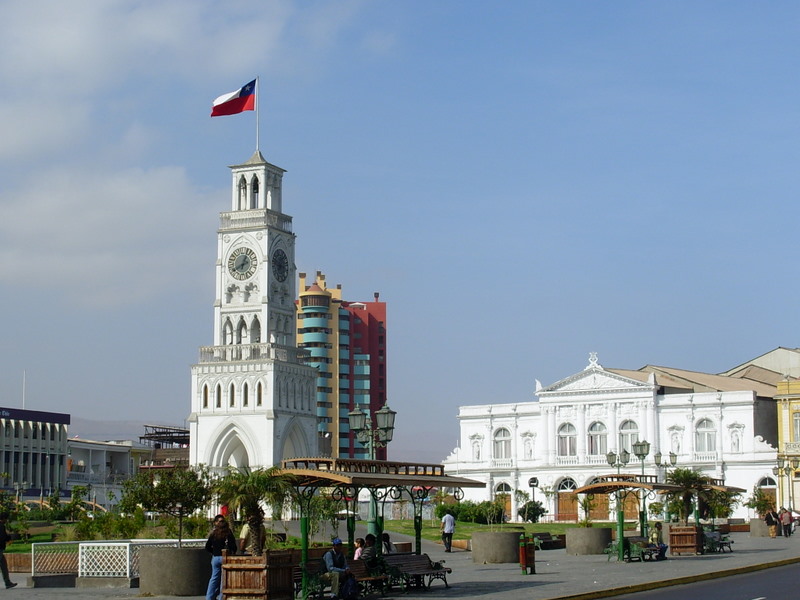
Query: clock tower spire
{"x": 252, "y": 395}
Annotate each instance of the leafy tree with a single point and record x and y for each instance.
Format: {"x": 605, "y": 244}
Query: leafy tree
{"x": 244, "y": 490}
{"x": 759, "y": 502}
{"x": 176, "y": 492}
{"x": 693, "y": 485}
{"x": 531, "y": 511}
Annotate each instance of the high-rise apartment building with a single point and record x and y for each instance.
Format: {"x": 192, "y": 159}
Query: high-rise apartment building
{"x": 346, "y": 343}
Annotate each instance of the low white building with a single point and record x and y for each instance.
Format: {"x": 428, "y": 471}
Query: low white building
{"x": 723, "y": 425}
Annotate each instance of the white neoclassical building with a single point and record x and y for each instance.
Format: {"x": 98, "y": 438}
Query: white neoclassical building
{"x": 253, "y": 398}
{"x": 724, "y": 425}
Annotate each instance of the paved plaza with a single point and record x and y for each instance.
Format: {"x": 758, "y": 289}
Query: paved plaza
{"x": 558, "y": 575}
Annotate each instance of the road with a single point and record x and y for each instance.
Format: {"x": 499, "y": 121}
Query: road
{"x": 779, "y": 583}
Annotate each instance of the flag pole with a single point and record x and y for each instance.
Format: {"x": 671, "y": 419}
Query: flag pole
{"x": 257, "y": 99}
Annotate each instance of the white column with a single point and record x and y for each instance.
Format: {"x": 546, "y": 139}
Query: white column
{"x": 581, "y": 426}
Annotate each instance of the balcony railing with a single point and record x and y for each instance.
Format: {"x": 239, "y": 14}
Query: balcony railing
{"x": 245, "y": 352}
{"x": 256, "y": 219}
{"x": 501, "y": 463}
{"x": 705, "y": 457}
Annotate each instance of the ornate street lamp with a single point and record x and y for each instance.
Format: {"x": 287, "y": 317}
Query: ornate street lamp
{"x": 619, "y": 461}
{"x": 373, "y": 435}
{"x": 641, "y": 449}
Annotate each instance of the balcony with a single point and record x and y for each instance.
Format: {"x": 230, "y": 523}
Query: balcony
{"x": 705, "y": 457}
{"x": 250, "y": 352}
{"x": 255, "y": 219}
{"x": 501, "y": 463}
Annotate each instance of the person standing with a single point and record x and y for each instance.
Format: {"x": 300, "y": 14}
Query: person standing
{"x": 772, "y": 519}
{"x": 4, "y": 537}
{"x": 448, "y": 528}
{"x": 786, "y": 522}
{"x": 221, "y": 538}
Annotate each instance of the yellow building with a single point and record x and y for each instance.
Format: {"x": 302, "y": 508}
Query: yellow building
{"x": 788, "y": 400}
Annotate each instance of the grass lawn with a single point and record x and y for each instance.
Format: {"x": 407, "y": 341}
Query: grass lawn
{"x": 431, "y": 532}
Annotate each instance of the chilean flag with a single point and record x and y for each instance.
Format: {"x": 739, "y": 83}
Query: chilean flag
{"x": 235, "y": 102}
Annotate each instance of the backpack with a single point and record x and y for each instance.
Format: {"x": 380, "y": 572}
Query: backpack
{"x": 349, "y": 589}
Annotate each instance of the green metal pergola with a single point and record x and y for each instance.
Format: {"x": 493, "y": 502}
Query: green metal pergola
{"x": 344, "y": 479}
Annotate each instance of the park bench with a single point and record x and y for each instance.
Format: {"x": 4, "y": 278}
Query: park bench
{"x": 316, "y": 585}
{"x": 545, "y": 541}
{"x": 412, "y": 569}
{"x": 634, "y": 548}
{"x": 715, "y": 541}
{"x": 368, "y": 579}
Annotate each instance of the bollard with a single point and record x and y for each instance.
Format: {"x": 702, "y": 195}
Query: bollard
{"x": 523, "y": 554}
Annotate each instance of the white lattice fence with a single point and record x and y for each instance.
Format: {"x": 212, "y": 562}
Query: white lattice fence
{"x": 54, "y": 558}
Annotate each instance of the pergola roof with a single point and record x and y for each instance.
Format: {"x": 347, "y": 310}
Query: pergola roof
{"x": 607, "y": 484}
{"x": 327, "y": 472}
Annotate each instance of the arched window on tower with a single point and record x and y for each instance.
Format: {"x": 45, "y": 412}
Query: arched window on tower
{"x": 232, "y": 395}
{"x": 205, "y": 396}
{"x": 241, "y": 202}
{"x": 244, "y": 395}
{"x": 241, "y": 332}
{"x": 218, "y": 396}
{"x": 254, "y": 194}
{"x": 255, "y": 331}
{"x": 227, "y": 333}
{"x": 259, "y": 394}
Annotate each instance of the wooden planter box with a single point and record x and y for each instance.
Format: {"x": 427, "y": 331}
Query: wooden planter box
{"x": 267, "y": 577}
{"x": 685, "y": 540}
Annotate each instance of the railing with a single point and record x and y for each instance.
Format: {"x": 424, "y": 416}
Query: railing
{"x": 705, "y": 457}
{"x": 241, "y": 352}
{"x": 256, "y": 218}
{"x": 566, "y": 460}
{"x": 96, "y": 559}
{"x": 502, "y": 463}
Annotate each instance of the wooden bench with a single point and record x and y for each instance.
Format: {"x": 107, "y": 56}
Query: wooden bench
{"x": 413, "y": 569}
{"x": 316, "y": 585}
{"x": 545, "y": 541}
{"x": 369, "y": 580}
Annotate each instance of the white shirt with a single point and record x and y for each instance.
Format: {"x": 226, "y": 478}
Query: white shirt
{"x": 449, "y": 524}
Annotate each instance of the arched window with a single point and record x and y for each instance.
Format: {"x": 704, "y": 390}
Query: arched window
{"x": 227, "y": 333}
{"x": 503, "y": 488}
{"x": 242, "y": 199}
{"x": 232, "y": 395}
{"x": 205, "y": 396}
{"x": 259, "y": 394}
{"x": 218, "y": 396}
{"x": 567, "y": 485}
{"x": 705, "y": 436}
{"x": 597, "y": 439}
{"x": 244, "y": 395}
{"x": 241, "y": 332}
{"x": 254, "y": 196}
{"x": 255, "y": 331}
{"x": 567, "y": 437}
{"x": 628, "y": 436}
{"x": 502, "y": 443}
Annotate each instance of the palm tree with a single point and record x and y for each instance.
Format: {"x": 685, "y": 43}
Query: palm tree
{"x": 693, "y": 484}
{"x": 244, "y": 490}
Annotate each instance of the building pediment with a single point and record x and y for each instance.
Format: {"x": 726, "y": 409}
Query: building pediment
{"x": 595, "y": 379}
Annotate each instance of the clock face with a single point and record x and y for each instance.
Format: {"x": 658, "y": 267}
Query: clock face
{"x": 242, "y": 263}
{"x": 280, "y": 265}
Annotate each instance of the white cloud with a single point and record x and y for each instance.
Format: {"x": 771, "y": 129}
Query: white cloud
{"x": 97, "y": 238}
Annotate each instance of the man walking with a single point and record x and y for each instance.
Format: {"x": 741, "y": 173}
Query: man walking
{"x": 4, "y": 537}
{"x": 448, "y": 529}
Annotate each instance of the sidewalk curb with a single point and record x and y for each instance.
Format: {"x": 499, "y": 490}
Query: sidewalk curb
{"x": 653, "y": 585}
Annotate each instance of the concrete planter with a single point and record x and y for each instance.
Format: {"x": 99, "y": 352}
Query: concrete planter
{"x": 758, "y": 528}
{"x": 587, "y": 540}
{"x": 494, "y": 547}
{"x": 174, "y": 571}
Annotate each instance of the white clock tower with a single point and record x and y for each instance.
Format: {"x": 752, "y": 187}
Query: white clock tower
{"x": 253, "y": 399}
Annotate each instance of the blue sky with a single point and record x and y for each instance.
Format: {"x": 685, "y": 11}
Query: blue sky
{"x": 523, "y": 182}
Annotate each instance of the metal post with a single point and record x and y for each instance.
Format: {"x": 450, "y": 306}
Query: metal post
{"x": 304, "y": 552}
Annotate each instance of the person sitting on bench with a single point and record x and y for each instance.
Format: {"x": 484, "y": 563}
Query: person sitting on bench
{"x": 657, "y": 541}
